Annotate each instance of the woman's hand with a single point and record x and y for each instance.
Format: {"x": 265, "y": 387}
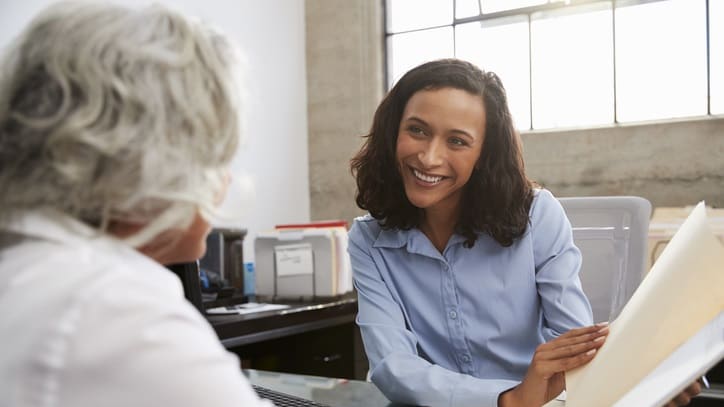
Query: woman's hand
{"x": 685, "y": 396}
{"x": 545, "y": 377}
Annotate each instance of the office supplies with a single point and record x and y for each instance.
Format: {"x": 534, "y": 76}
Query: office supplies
{"x": 318, "y": 224}
{"x": 705, "y": 382}
{"x": 682, "y": 294}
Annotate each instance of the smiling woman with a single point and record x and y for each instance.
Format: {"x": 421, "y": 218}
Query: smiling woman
{"x": 466, "y": 273}
{"x": 467, "y": 276}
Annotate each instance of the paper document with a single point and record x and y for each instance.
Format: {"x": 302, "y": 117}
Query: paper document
{"x": 247, "y": 308}
{"x": 689, "y": 362}
{"x": 681, "y": 294}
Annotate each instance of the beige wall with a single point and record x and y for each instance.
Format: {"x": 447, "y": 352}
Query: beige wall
{"x": 676, "y": 163}
{"x": 671, "y": 164}
{"x": 344, "y": 86}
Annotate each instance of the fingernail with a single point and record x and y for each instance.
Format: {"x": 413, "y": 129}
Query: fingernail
{"x": 604, "y": 323}
{"x": 591, "y": 352}
{"x": 599, "y": 339}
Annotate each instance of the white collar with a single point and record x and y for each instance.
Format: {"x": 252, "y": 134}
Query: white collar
{"x": 53, "y": 225}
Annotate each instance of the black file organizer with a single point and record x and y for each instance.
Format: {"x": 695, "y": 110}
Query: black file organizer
{"x": 189, "y": 275}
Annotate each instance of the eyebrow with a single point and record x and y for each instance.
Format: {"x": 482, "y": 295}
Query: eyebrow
{"x": 456, "y": 131}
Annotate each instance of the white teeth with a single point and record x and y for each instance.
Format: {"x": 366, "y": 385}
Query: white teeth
{"x": 426, "y": 178}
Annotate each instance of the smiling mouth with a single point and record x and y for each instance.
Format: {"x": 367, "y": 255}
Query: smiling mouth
{"x": 428, "y": 179}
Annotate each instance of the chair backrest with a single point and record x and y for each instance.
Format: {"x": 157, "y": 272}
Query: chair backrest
{"x": 611, "y": 232}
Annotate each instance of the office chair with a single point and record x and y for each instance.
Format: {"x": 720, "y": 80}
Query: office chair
{"x": 611, "y": 232}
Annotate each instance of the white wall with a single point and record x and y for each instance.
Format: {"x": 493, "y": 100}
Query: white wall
{"x": 270, "y": 34}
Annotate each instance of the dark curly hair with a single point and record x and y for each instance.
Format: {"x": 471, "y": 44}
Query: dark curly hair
{"x": 498, "y": 196}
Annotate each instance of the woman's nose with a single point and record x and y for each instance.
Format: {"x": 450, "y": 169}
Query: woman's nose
{"x": 432, "y": 154}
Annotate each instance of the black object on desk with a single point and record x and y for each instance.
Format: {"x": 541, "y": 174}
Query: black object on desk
{"x": 284, "y": 400}
{"x": 188, "y": 273}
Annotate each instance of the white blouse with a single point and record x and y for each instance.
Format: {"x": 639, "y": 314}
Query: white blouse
{"x": 87, "y": 321}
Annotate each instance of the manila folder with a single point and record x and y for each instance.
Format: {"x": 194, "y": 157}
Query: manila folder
{"x": 683, "y": 292}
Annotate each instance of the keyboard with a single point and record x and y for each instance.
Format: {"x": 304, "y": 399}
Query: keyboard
{"x": 284, "y": 400}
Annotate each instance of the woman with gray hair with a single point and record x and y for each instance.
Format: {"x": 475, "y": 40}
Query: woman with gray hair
{"x": 116, "y": 128}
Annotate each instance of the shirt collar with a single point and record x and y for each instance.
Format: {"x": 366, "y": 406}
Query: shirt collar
{"x": 53, "y": 225}
{"x": 413, "y": 239}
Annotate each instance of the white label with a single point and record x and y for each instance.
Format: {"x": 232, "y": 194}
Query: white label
{"x": 293, "y": 259}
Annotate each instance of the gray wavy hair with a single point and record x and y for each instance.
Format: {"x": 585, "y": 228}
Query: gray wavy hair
{"x": 115, "y": 114}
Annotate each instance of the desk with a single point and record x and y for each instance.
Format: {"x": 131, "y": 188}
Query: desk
{"x": 318, "y": 338}
{"x": 333, "y": 392}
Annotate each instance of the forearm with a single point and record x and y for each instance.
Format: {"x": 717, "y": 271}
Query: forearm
{"x": 411, "y": 380}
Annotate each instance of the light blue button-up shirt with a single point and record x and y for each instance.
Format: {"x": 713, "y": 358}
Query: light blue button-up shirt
{"x": 459, "y": 328}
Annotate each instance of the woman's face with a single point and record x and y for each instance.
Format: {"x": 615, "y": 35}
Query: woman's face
{"x": 177, "y": 245}
{"x": 439, "y": 142}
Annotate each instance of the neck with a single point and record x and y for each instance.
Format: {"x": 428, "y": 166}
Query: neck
{"x": 439, "y": 227}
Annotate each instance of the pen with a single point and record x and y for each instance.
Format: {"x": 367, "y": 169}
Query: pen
{"x": 705, "y": 381}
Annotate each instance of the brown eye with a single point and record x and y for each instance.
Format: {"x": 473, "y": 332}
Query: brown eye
{"x": 416, "y": 131}
{"x": 458, "y": 141}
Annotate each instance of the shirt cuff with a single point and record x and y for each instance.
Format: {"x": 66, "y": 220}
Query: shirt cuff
{"x": 474, "y": 392}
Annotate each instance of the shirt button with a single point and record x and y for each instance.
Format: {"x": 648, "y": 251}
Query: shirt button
{"x": 466, "y": 358}
{"x": 452, "y": 314}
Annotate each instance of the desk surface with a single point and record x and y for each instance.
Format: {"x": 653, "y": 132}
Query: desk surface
{"x": 333, "y": 392}
{"x": 238, "y": 330}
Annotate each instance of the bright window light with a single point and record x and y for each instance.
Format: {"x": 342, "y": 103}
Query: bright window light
{"x": 557, "y": 58}
{"x": 716, "y": 49}
{"x": 405, "y": 51}
{"x": 405, "y": 15}
{"x": 572, "y": 69}
{"x": 491, "y": 6}
{"x": 467, "y": 8}
{"x": 501, "y": 47}
{"x": 661, "y": 60}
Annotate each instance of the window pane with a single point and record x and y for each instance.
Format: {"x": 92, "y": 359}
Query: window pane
{"x": 491, "y": 6}
{"x": 661, "y": 60}
{"x": 406, "y": 51}
{"x": 404, "y": 15}
{"x": 501, "y": 47}
{"x": 716, "y": 50}
{"x": 572, "y": 68}
{"x": 467, "y": 8}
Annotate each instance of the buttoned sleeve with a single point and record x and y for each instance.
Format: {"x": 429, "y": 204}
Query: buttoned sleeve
{"x": 557, "y": 264}
{"x": 397, "y": 369}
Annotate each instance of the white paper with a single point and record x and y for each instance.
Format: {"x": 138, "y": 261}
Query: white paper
{"x": 247, "y": 308}
{"x": 679, "y": 296}
{"x": 689, "y": 362}
{"x": 293, "y": 259}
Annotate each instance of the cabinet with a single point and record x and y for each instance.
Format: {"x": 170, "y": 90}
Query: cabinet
{"x": 319, "y": 339}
